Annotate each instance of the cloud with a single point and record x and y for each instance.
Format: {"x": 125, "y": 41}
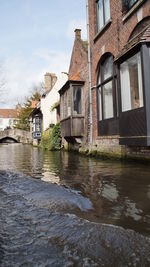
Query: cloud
{"x": 55, "y": 61}
{"x": 22, "y": 74}
{"x": 77, "y": 24}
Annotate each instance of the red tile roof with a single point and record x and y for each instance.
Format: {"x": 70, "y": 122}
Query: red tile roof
{"x": 8, "y": 113}
{"x": 76, "y": 77}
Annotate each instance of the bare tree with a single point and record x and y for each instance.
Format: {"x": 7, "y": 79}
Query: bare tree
{"x": 3, "y": 85}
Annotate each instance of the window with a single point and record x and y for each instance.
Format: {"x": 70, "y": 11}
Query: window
{"x": 105, "y": 89}
{"x": 65, "y": 105}
{"x": 76, "y": 100}
{"x": 10, "y": 122}
{"x": 103, "y": 13}
{"x": 36, "y": 124}
{"x": 131, "y": 83}
{"x": 127, "y": 4}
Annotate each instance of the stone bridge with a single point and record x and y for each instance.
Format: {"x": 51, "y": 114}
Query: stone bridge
{"x": 15, "y": 135}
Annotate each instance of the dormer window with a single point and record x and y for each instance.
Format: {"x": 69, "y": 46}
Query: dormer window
{"x": 102, "y": 13}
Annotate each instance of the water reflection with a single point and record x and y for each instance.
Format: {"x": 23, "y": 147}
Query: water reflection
{"x": 119, "y": 192}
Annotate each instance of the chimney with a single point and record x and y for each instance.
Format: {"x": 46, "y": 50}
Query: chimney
{"x": 50, "y": 80}
{"x": 77, "y": 33}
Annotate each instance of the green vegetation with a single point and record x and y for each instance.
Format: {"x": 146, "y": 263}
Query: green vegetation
{"x": 51, "y": 139}
{"x": 24, "y": 112}
{"x": 55, "y": 105}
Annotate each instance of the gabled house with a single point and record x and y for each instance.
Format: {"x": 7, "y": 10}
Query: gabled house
{"x": 50, "y": 107}
{"x": 120, "y": 63}
{"x": 74, "y": 96}
{"x": 8, "y": 118}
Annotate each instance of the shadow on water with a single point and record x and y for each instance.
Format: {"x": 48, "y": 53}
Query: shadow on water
{"x": 1, "y": 251}
{"x": 45, "y": 198}
{"x": 119, "y": 192}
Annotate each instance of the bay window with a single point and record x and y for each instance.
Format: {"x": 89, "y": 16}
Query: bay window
{"x": 102, "y": 12}
{"x": 131, "y": 83}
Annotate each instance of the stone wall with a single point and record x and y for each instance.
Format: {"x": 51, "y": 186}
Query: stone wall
{"x": 17, "y": 134}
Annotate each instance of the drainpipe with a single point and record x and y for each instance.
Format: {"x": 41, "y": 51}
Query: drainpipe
{"x": 89, "y": 73}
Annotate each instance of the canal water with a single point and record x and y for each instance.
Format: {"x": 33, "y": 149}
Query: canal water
{"x": 62, "y": 209}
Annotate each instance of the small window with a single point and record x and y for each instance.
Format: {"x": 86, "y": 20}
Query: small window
{"x": 131, "y": 83}
{"x": 102, "y": 12}
{"x": 77, "y": 100}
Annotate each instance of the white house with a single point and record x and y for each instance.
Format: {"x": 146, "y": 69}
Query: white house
{"x": 8, "y": 118}
{"x": 51, "y": 96}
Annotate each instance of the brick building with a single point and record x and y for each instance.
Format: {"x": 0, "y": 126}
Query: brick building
{"x": 119, "y": 34}
{"x": 74, "y": 99}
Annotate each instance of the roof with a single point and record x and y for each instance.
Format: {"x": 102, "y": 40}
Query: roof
{"x": 142, "y": 37}
{"x": 67, "y": 85}
{"x": 8, "y": 113}
{"x": 35, "y": 111}
{"x": 76, "y": 77}
{"x": 34, "y": 103}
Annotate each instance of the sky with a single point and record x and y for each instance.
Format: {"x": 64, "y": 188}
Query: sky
{"x": 36, "y": 37}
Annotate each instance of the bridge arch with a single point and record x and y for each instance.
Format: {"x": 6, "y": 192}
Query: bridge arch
{"x": 8, "y": 139}
{"x": 15, "y": 135}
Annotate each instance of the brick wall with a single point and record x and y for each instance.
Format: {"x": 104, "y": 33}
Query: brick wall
{"x": 112, "y": 39}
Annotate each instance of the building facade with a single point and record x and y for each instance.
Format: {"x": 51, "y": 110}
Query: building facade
{"x": 120, "y": 70}
{"x": 8, "y": 118}
{"x": 74, "y": 97}
{"x": 50, "y": 99}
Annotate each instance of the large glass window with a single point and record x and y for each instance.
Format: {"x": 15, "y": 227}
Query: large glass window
{"x": 105, "y": 89}
{"x": 131, "y": 83}
{"x": 76, "y": 100}
{"x": 103, "y": 13}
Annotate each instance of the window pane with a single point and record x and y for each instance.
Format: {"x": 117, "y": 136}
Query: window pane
{"x": 76, "y": 100}
{"x": 107, "y": 10}
{"x": 108, "y": 100}
{"x": 100, "y": 15}
{"x": 99, "y": 78}
{"x": 100, "y": 104}
{"x": 107, "y": 68}
{"x": 37, "y": 124}
{"x": 131, "y": 83}
{"x": 132, "y": 2}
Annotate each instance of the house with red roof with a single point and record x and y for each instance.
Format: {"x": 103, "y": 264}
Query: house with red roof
{"x": 8, "y": 118}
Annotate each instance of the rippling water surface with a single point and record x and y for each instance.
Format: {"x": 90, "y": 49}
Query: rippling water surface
{"x": 58, "y": 209}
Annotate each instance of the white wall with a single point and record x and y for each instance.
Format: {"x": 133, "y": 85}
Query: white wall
{"x": 50, "y": 99}
{"x": 6, "y": 122}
